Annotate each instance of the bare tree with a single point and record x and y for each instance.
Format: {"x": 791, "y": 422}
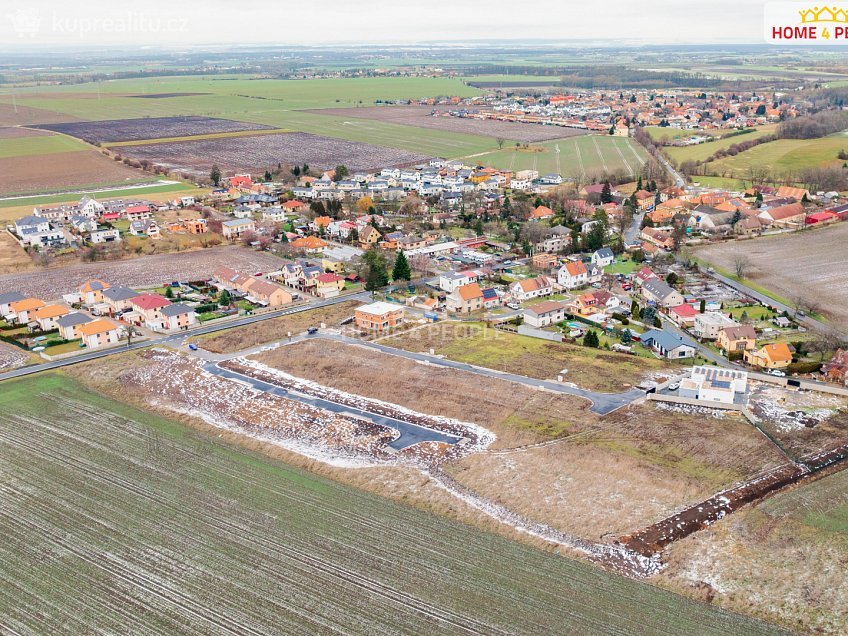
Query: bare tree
{"x": 500, "y": 141}
{"x": 741, "y": 265}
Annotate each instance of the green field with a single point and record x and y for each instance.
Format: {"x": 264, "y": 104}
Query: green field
{"x": 42, "y": 145}
{"x": 660, "y": 133}
{"x": 785, "y": 155}
{"x": 702, "y": 151}
{"x": 117, "y": 521}
{"x": 107, "y": 194}
{"x": 822, "y": 504}
{"x": 579, "y": 156}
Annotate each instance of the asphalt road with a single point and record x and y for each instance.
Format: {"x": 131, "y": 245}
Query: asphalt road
{"x": 172, "y": 338}
{"x": 409, "y": 434}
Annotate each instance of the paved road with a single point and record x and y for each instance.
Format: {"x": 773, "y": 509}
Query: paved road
{"x": 179, "y": 337}
{"x": 705, "y": 351}
{"x": 631, "y": 234}
{"x": 602, "y": 403}
{"x": 679, "y": 181}
{"x": 410, "y": 434}
{"x": 766, "y": 300}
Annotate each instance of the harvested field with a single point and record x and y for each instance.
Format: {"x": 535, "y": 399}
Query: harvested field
{"x": 149, "y": 128}
{"x": 147, "y": 271}
{"x": 517, "y": 414}
{"x": 57, "y": 171}
{"x": 475, "y": 344}
{"x": 259, "y": 152}
{"x": 240, "y": 338}
{"x": 11, "y": 357}
{"x": 628, "y": 470}
{"x": 421, "y": 116}
{"x": 166, "y": 95}
{"x": 788, "y": 549}
{"x": 16, "y": 132}
{"x": 819, "y": 266}
{"x": 27, "y": 115}
{"x": 218, "y": 539}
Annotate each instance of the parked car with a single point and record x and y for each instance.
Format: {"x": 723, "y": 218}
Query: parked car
{"x": 514, "y": 306}
{"x": 776, "y": 372}
{"x": 312, "y": 331}
{"x": 192, "y": 347}
{"x": 674, "y": 386}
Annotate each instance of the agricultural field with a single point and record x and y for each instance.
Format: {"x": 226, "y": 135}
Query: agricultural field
{"x": 784, "y": 156}
{"x": 818, "y": 266}
{"x": 704, "y": 150}
{"x": 143, "y": 272}
{"x": 593, "y": 369}
{"x": 11, "y": 357}
{"x": 261, "y": 152}
{"x": 788, "y": 548}
{"x": 421, "y": 117}
{"x": 665, "y": 134}
{"x": 580, "y": 157}
{"x": 217, "y": 538}
{"x": 149, "y": 128}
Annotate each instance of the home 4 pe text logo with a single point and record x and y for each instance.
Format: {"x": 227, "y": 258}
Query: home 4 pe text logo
{"x": 805, "y": 24}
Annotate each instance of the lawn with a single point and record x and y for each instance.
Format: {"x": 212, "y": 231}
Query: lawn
{"x": 119, "y": 521}
{"x": 473, "y": 343}
{"x": 622, "y": 266}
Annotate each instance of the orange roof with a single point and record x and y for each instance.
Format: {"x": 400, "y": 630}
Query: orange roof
{"x": 294, "y": 203}
{"x": 51, "y": 311}
{"x": 470, "y": 291}
{"x": 97, "y": 326}
{"x": 27, "y": 304}
{"x": 93, "y": 285}
{"x": 542, "y": 212}
{"x": 575, "y": 268}
{"x": 777, "y": 352}
{"x": 323, "y": 221}
{"x": 309, "y": 242}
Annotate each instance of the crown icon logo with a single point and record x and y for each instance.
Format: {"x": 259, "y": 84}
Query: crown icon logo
{"x": 823, "y": 14}
{"x": 26, "y": 22}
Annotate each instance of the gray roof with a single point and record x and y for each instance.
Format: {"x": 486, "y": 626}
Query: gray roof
{"x": 664, "y": 339}
{"x": 76, "y": 318}
{"x": 11, "y": 297}
{"x": 176, "y": 309}
{"x": 658, "y": 288}
{"x": 120, "y": 293}
{"x": 605, "y": 252}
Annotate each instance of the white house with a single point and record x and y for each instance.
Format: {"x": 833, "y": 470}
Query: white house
{"x": 714, "y": 384}
{"x": 573, "y": 275}
{"x": 708, "y": 324}
{"x": 603, "y": 257}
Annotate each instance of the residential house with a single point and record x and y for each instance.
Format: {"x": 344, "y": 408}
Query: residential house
{"x": 666, "y": 345}
{"x": 46, "y": 316}
{"x": 531, "y": 288}
{"x": 149, "y": 308}
{"x": 594, "y": 302}
{"x": 573, "y": 275}
{"x": 465, "y": 299}
{"x": 104, "y": 235}
{"x": 309, "y": 244}
{"x": 196, "y": 226}
{"x": 786, "y": 216}
{"x": 7, "y": 299}
{"x": 368, "y": 236}
{"x": 378, "y": 316}
{"x": 545, "y": 314}
{"x": 449, "y": 281}
{"x": 22, "y": 311}
{"x": 683, "y": 315}
{"x": 603, "y": 257}
{"x": 99, "y": 333}
{"x": 643, "y": 274}
{"x": 836, "y": 369}
{"x": 659, "y": 237}
{"x": 776, "y": 355}
{"x": 118, "y": 298}
{"x": 541, "y": 212}
{"x": 737, "y": 338}
{"x": 178, "y": 316}
{"x": 233, "y": 229}
{"x": 658, "y": 291}
{"x": 91, "y": 291}
{"x": 713, "y": 384}
{"x": 265, "y": 292}
{"x": 543, "y": 261}
{"x": 146, "y": 227}
{"x": 329, "y": 285}
{"x": 69, "y": 325}
{"x": 709, "y": 324}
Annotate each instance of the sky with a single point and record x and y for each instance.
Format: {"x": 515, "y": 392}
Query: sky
{"x": 29, "y": 25}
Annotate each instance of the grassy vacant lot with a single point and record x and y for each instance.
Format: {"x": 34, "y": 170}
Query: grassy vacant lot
{"x": 783, "y": 155}
{"x": 702, "y": 151}
{"x": 39, "y": 145}
{"x": 517, "y": 414}
{"x": 789, "y": 550}
{"x": 239, "y": 338}
{"x": 116, "y": 520}
{"x": 658, "y": 133}
{"x": 589, "y": 154}
{"x": 473, "y": 343}
{"x": 809, "y": 265}
{"x": 552, "y": 455}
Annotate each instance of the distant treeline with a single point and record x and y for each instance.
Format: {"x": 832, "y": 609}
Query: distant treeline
{"x": 819, "y": 124}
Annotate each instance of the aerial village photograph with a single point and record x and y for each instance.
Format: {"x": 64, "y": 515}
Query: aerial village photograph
{"x": 443, "y": 318}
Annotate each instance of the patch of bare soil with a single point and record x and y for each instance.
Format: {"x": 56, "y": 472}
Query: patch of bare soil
{"x": 422, "y": 117}
{"x": 61, "y": 170}
{"x": 11, "y": 357}
{"x": 17, "y": 115}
